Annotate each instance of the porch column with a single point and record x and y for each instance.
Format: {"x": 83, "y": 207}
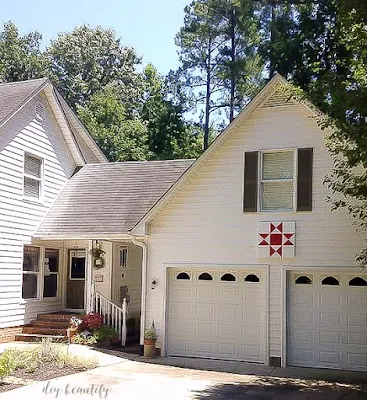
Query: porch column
{"x": 89, "y": 281}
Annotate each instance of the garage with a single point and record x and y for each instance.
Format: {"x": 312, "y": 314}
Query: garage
{"x": 327, "y": 320}
{"x": 217, "y": 314}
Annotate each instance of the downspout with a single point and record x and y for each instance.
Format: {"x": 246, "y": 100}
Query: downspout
{"x": 143, "y": 291}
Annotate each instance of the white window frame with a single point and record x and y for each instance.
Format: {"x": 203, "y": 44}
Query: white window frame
{"x": 261, "y": 180}
{"x": 38, "y": 273}
{"x": 51, "y": 273}
{"x": 40, "y": 179}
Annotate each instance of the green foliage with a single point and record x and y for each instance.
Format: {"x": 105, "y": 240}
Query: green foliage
{"x": 20, "y": 56}
{"x": 105, "y": 333}
{"x": 88, "y": 60}
{"x": 31, "y": 358}
{"x": 150, "y": 334}
{"x": 85, "y": 337}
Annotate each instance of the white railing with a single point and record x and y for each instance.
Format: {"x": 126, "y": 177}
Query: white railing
{"x": 113, "y": 315}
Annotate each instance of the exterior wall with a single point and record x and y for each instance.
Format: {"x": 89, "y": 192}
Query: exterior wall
{"x": 19, "y": 217}
{"x": 8, "y": 334}
{"x": 204, "y": 223}
{"x": 131, "y": 277}
{"x": 104, "y": 274}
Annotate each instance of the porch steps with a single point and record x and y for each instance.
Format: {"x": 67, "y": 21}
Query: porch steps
{"x": 52, "y": 325}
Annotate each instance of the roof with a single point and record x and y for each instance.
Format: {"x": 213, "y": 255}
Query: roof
{"x": 14, "y": 94}
{"x": 108, "y": 199}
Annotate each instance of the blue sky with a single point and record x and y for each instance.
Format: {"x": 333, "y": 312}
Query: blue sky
{"x": 147, "y": 25}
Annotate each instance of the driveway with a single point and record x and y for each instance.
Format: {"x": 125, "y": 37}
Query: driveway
{"x": 134, "y": 379}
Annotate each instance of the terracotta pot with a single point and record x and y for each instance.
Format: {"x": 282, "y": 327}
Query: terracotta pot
{"x": 149, "y": 348}
{"x": 72, "y": 332}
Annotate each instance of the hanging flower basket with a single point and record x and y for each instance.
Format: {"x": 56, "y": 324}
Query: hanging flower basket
{"x": 98, "y": 255}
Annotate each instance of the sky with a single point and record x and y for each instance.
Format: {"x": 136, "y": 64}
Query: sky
{"x": 147, "y": 25}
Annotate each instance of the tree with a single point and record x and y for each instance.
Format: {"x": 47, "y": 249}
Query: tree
{"x": 170, "y": 136}
{"x": 119, "y": 137}
{"x": 86, "y": 60}
{"x": 20, "y": 56}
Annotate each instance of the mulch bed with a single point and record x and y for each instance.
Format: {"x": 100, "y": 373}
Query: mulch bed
{"x": 44, "y": 372}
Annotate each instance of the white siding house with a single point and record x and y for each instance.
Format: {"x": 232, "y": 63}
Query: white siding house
{"x": 200, "y": 226}
{"x": 38, "y": 155}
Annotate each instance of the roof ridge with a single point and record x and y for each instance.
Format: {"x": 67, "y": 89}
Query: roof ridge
{"x": 142, "y": 162}
{"x": 25, "y": 81}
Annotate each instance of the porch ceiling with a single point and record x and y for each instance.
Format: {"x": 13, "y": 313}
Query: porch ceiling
{"x": 109, "y": 199}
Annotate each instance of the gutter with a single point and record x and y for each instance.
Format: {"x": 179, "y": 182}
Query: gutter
{"x": 143, "y": 290}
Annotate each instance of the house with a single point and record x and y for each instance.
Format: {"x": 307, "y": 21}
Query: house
{"x": 234, "y": 256}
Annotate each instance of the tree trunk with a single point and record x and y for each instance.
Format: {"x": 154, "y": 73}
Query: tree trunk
{"x": 207, "y": 100}
{"x": 272, "y": 41}
{"x": 233, "y": 60}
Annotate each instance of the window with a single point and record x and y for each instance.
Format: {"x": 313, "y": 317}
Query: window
{"x": 183, "y": 275}
{"x": 330, "y": 280}
{"x": 277, "y": 173}
{"x": 252, "y": 278}
{"x": 51, "y": 273}
{"x": 123, "y": 256}
{"x": 77, "y": 265}
{"x": 303, "y": 280}
{"x": 228, "y": 278}
{"x": 205, "y": 277}
{"x": 272, "y": 182}
{"x": 358, "y": 281}
{"x": 31, "y": 261}
{"x": 32, "y": 176}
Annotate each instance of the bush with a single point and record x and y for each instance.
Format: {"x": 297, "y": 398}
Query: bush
{"x": 85, "y": 337}
{"x": 105, "y": 333}
{"x": 91, "y": 322}
{"x": 6, "y": 364}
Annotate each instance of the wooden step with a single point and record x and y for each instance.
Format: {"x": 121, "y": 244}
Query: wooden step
{"x": 30, "y": 337}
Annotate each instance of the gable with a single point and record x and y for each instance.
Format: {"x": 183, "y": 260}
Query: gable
{"x": 267, "y": 123}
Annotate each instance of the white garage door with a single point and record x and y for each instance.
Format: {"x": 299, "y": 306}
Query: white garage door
{"x": 327, "y": 321}
{"x": 217, "y": 314}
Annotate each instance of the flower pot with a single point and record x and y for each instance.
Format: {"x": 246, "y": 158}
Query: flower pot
{"x": 72, "y": 332}
{"x": 149, "y": 348}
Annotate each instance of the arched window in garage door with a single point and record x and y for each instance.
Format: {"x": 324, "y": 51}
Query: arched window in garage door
{"x": 205, "y": 277}
{"x": 330, "y": 281}
{"x": 228, "y": 278}
{"x": 183, "y": 276}
{"x": 252, "y": 278}
{"x": 303, "y": 280}
{"x": 357, "y": 281}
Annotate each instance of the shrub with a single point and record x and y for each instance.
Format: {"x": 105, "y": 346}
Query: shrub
{"x": 150, "y": 334}
{"x": 91, "y": 321}
{"x": 6, "y": 364}
{"x": 105, "y": 333}
{"x": 85, "y": 337}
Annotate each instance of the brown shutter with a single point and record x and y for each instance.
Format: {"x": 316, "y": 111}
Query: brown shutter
{"x": 304, "y": 180}
{"x": 250, "y": 182}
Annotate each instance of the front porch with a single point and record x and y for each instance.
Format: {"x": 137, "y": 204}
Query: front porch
{"x": 71, "y": 280}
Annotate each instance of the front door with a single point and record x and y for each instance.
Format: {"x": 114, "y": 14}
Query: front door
{"x": 75, "y": 285}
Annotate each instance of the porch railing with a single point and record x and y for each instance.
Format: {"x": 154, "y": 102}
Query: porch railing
{"x": 113, "y": 315}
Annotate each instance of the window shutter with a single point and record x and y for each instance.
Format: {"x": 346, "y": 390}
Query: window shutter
{"x": 250, "y": 182}
{"x": 304, "y": 180}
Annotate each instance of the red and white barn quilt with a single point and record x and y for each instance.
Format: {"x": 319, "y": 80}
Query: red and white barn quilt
{"x": 276, "y": 239}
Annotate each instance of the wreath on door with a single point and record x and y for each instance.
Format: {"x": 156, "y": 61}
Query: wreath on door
{"x": 98, "y": 255}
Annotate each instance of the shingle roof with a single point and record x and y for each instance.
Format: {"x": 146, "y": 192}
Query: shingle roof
{"x": 12, "y": 95}
{"x": 110, "y": 198}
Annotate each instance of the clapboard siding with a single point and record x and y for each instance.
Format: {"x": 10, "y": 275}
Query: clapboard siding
{"x": 132, "y": 277}
{"x": 204, "y": 223}
{"x": 19, "y": 217}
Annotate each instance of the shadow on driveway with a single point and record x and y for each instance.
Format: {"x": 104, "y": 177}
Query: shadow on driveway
{"x": 282, "y": 389}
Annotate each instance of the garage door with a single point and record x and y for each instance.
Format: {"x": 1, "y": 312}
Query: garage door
{"x": 327, "y": 321}
{"x": 217, "y": 314}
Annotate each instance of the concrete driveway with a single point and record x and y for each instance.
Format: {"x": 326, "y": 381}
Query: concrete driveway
{"x": 134, "y": 379}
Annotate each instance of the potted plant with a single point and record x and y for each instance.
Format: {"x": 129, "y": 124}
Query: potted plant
{"x": 150, "y": 338}
{"x": 74, "y": 326}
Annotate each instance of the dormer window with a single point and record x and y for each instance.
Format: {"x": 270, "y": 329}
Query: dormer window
{"x": 33, "y": 171}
